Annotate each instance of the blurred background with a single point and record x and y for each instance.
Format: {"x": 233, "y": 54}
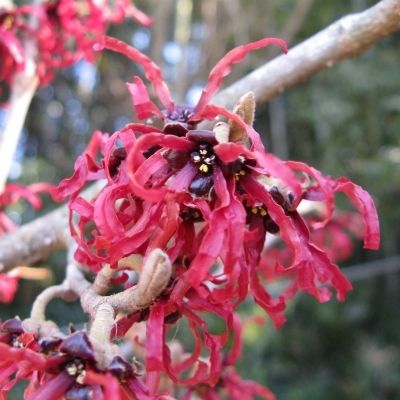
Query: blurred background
{"x": 343, "y": 121}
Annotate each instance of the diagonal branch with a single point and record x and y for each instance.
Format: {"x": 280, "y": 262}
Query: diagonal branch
{"x": 346, "y": 38}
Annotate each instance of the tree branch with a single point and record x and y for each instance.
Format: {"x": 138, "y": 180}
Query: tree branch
{"x": 347, "y": 38}
{"x": 36, "y": 240}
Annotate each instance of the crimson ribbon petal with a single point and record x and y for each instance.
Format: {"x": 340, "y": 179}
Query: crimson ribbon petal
{"x": 144, "y": 107}
{"x": 309, "y": 260}
{"x": 224, "y": 66}
{"x": 365, "y": 205}
{"x": 151, "y": 70}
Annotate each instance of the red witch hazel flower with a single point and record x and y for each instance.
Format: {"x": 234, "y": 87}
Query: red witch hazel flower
{"x": 64, "y": 30}
{"x": 12, "y": 58}
{"x": 230, "y": 385}
{"x": 62, "y": 367}
{"x": 205, "y": 201}
{"x": 10, "y": 195}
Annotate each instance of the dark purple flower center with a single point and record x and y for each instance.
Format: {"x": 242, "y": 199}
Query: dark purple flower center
{"x": 181, "y": 113}
{"x": 204, "y": 157}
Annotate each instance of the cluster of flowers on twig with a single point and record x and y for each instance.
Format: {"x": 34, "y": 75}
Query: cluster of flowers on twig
{"x": 64, "y": 31}
{"x": 190, "y": 210}
{"x": 11, "y": 194}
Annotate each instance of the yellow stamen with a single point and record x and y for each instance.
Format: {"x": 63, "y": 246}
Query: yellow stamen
{"x": 8, "y": 21}
{"x": 72, "y": 369}
{"x": 263, "y": 212}
{"x": 254, "y": 210}
{"x": 81, "y": 377}
{"x": 203, "y": 168}
{"x": 242, "y": 172}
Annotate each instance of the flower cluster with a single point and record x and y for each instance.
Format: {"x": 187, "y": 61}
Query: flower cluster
{"x": 64, "y": 31}
{"x": 62, "y": 367}
{"x": 208, "y": 199}
{"x": 10, "y": 195}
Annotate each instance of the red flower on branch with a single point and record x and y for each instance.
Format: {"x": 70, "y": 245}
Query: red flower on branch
{"x": 178, "y": 114}
{"x": 63, "y": 367}
{"x": 13, "y": 193}
{"x": 230, "y": 385}
{"x": 64, "y": 30}
{"x": 209, "y": 202}
{"x": 240, "y": 195}
{"x": 12, "y": 57}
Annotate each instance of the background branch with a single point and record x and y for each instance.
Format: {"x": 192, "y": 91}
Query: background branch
{"x": 347, "y": 38}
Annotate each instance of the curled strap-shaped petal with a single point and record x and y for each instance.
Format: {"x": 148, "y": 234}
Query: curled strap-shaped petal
{"x": 365, "y": 205}
{"x": 13, "y": 192}
{"x": 138, "y": 180}
{"x": 105, "y": 215}
{"x": 84, "y": 167}
{"x": 240, "y": 389}
{"x": 213, "y": 239}
{"x": 144, "y": 107}
{"x": 151, "y": 70}
{"x": 54, "y": 388}
{"x": 224, "y": 66}
{"x": 110, "y": 384}
{"x": 137, "y": 14}
{"x": 139, "y": 173}
{"x": 274, "y": 308}
{"x": 155, "y": 339}
{"x": 213, "y": 343}
{"x": 238, "y": 327}
{"x": 324, "y": 269}
{"x": 127, "y": 137}
{"x": 323, "y": 183}
{"x": 312, "y": 264}
{"x": 138, "y": 234}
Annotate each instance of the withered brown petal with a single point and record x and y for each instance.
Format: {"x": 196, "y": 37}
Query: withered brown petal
{"x": 204, "y": 136}
{"x": 48, "y": 345}
{"x": 13, "y": 325}
{"x": 119, "y": 152}
{"x": 78, "y": 345}
{"x": 150, "y": 151}
{"x": 120, "y": 368}
{"x": 175, "y": 129}
{"x": 177, "y": 159}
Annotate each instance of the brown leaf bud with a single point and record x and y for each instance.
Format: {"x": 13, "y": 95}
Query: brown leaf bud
{"x": 245, "y": 107}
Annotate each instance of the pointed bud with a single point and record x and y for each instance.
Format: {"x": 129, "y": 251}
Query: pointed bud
{"x": 245, "y": 107}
